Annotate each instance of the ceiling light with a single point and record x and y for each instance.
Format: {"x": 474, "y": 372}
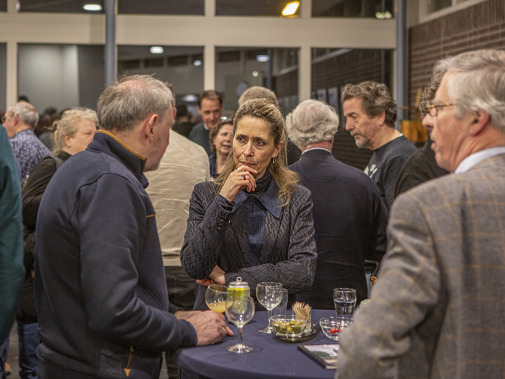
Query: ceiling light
{"x": 190, "y": 98}
{"x": 383, "y": 15}
{"x": 197, "y": 62}
{"x": 92, "y": 7}
{"x": 290, "y": 8}
{"x": 262, "y": 58}
{"x": 156, "y": 50}
{"x": 255, "y": 74}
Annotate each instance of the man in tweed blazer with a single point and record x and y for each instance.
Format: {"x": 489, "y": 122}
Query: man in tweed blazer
{"x": 437, "y": 308}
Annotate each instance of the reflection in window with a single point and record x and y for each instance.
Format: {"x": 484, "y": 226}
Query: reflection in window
{"x": 57, "y": 6}
{"x": 250, "y": 8}
{"x": 240, "y": 68}
{"x": 382, "y": 9}
{"x": 436, "y": 5}
{"x": 182, "y": 66}
{"x": 172, "y": 7}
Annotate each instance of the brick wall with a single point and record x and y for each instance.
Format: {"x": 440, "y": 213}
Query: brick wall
{"x": 477, "y": 27}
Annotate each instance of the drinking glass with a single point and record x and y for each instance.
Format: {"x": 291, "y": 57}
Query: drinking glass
{"x": 281, "y": 309}
{"x": 215, "y": 298}
{"x": 239, "y": 310}
{"x": 345, "y": 301}
{"x": 269, "y": 294}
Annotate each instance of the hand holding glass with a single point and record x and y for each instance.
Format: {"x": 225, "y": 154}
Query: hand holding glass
{"x": 215, "y": 297}
{"x": 269, "y": 294}
{"x": 345, "y": 301}
{"x": 239, "y": 310}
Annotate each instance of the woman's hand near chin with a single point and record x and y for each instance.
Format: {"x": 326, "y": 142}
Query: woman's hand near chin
{"x": 242, "y": 177}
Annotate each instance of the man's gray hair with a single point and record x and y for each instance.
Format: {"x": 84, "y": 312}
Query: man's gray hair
{"x": 312, "y": 121}
{"x": 478, "y": 84}
{"x": 130, "y": 100}
{"x": 26, "y": 113}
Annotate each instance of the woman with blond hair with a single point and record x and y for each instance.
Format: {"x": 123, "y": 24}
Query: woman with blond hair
{"x": 254, "y": 221}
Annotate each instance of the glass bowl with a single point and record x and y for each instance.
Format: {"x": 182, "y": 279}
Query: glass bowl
{"x": 288, "y": 326}
{"x": 332, "y": 326}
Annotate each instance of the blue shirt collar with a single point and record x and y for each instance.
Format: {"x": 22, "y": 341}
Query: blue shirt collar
{"x": 267, "y": 198}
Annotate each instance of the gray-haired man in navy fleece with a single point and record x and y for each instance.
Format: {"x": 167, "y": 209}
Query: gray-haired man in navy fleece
{"x": 100, "y": 285}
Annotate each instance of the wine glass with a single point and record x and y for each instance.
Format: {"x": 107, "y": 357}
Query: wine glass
{"x": 215, "y": 298}
{"x": 239, "y": 310}
{"x": 345, "y": 301}
{"x": 269, "y": 294}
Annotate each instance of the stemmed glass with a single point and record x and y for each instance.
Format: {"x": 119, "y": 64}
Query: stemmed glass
{"x": 269, "y": 294}
{"x": 345, "y": 301}
{"x": 215, "y": 298}
{"x": 239, "y": 310}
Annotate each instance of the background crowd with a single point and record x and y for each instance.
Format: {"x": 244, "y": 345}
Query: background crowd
{"x": 118, "y": 220}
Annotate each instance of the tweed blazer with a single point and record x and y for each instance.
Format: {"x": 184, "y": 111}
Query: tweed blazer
{"x": 437, "y": 308}
{"x": 216, "y": 236}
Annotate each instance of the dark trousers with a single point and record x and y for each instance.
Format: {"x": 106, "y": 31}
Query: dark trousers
{"x": 181, "y": 293}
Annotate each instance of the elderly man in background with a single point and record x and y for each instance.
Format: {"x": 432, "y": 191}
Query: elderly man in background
{"x": 210, "y": 108}
{"x": 19, "y": 122}
{"x": 101, "y": 294}
{"x": 349, "y": 215}
{"x": 371, "y": 115}
{"x": 437, "y": 308}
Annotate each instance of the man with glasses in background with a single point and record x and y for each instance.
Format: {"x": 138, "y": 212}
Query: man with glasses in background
{"x": 437, "y": 307}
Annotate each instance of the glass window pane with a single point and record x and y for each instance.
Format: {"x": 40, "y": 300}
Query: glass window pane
{"x": 60, "y": 76}
{"x": 173, "y": 7}
{"x": 239, "y": 68}
{"x": 182, "y": 66}
{"x": 382, "y": 9}
{"x": 57, "y": 6}
{"x": 436, "y": 5}
{"x": 250, "y": 8}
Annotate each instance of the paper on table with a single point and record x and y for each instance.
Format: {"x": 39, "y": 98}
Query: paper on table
{"x": 325, "y": 355}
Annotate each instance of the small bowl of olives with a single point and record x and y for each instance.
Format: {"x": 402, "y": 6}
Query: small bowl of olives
{"x": 288, "y": 326}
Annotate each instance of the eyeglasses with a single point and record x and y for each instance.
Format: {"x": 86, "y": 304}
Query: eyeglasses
{"x": 432, "y": 109}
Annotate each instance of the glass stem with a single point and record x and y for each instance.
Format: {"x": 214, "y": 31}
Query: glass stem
{"x": 269, "y": 319}
{"x": 239, "y": 335}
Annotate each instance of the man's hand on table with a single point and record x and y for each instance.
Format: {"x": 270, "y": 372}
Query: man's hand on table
{"x": 210, "y": 326}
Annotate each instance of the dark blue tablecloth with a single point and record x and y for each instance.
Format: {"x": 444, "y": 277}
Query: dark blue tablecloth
{"x": 271, "y": 358}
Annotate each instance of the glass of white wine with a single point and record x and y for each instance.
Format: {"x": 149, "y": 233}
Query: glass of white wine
{"x": 215, "y": 297}
{"x": 269, "y": 294}
{"x": 239, "y": 310}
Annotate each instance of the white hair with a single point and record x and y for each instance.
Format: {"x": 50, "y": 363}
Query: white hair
{"x": 312, "y": 121}
{"x": 477, "y": 83}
